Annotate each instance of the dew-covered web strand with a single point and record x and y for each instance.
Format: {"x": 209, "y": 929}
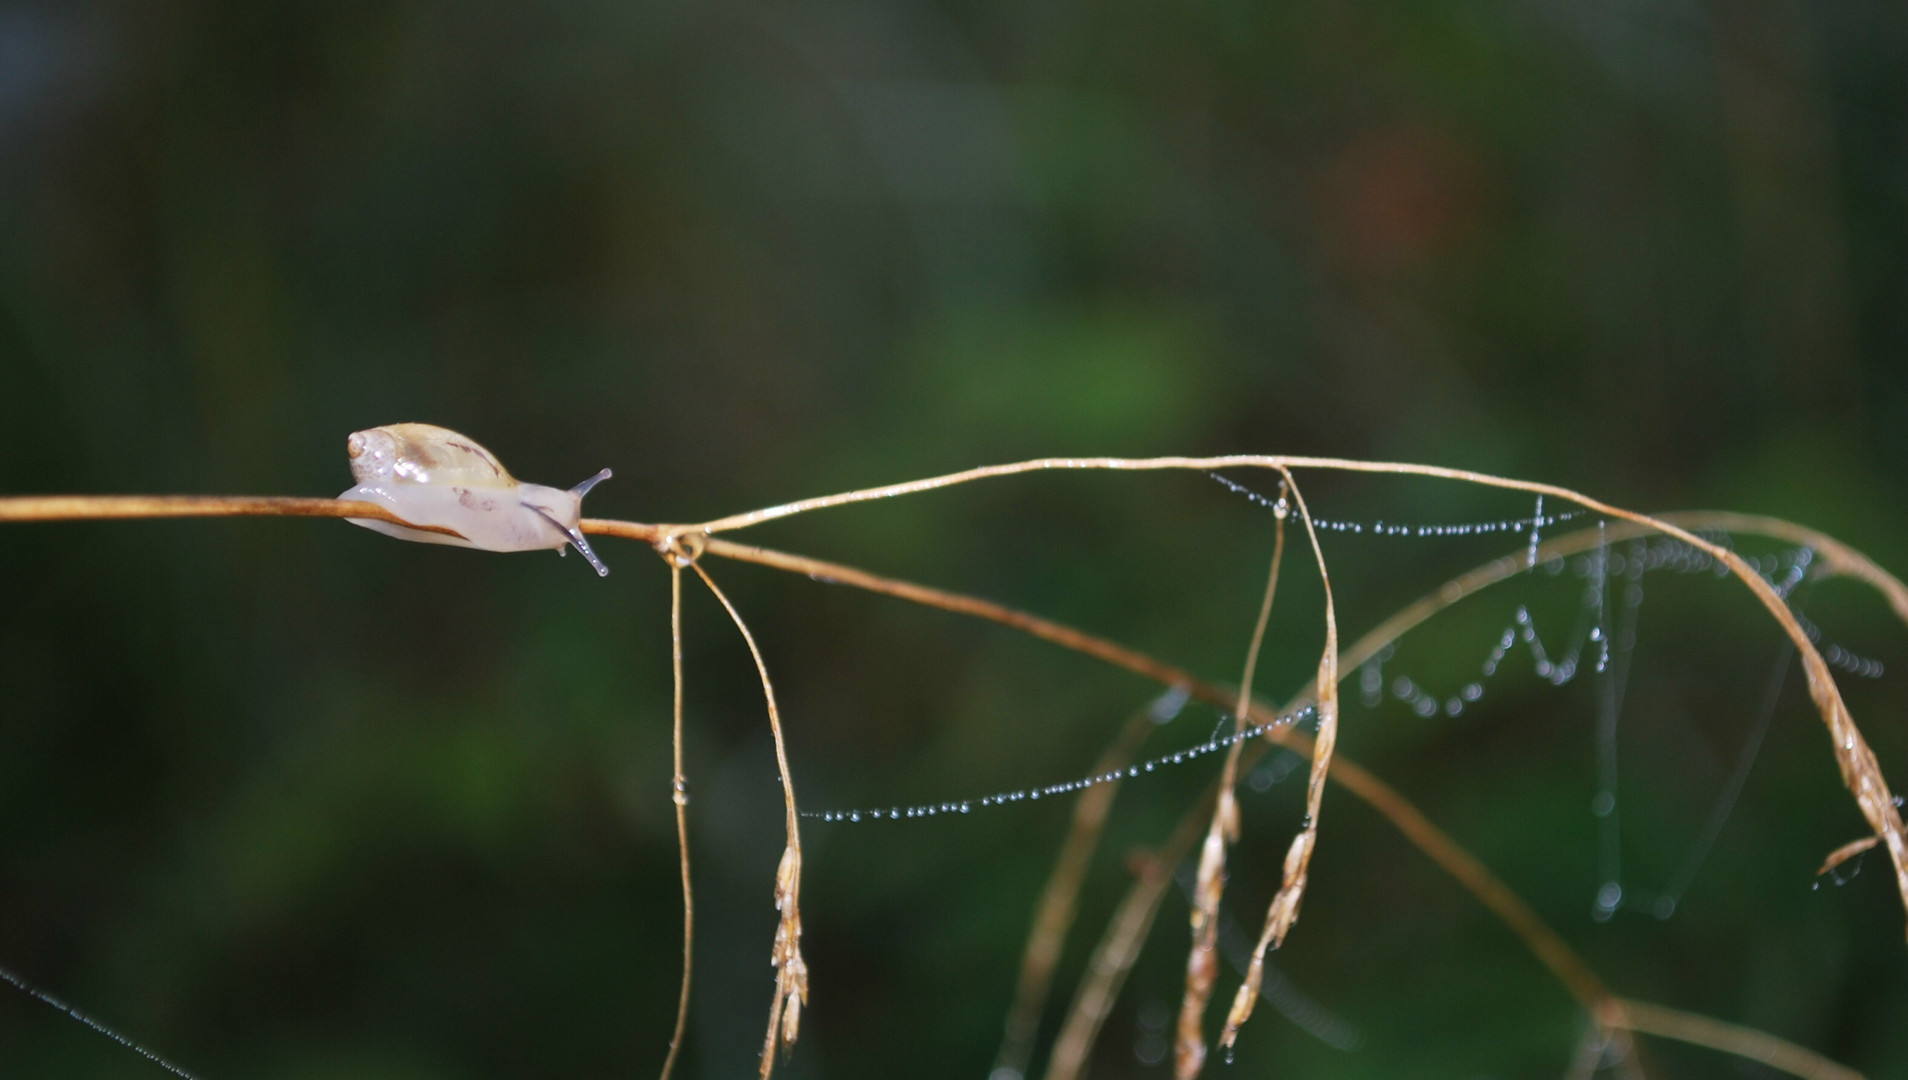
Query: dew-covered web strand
{"x": 1611, "y": 690}
{"x": 1532, "y": 526}
{"x": 1557, "y": 671}
{"x": 1677, "y": 554}
{"x": 33, "y": 991}
{"x": 1165, "y": 709}
{"x": 1613, "y": 655}
{"x": 1785, "y": 572}
{"x": 1732, "y": 790}
{"x": 1602, "y": 570}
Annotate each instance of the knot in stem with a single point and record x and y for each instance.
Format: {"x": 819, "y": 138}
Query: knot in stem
{"x": 682, "y": 549}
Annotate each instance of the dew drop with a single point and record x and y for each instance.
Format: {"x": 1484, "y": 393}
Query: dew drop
{"x": 1609, "y": 896}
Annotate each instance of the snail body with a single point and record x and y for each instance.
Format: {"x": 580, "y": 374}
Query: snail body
{"x": 460, "y": 494}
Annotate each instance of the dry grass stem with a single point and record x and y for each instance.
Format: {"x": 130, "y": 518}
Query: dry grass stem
{"x": 1118, "y": 948}
{"x": 1861, "y": 773}
{"x": 1123, "y": 936}
{"x": 962, "y": 604}
{"x": 1833, "y": 558}
{"x": 1543, "y": 942}
{"x": 791, "y": 971}
{"x": 132, "y": 507}
{"x": 1743, "y": 1042}
{"x": 680, "y": 796}
{"x": 1601, "y": 1046}
{"x": 1589, "y": 1056}
{"x": 1059, "y": 899}
{"x": 1284, "y": 912}
{"x": 1209, "y": 883}
{"x": 1846, "y": 852}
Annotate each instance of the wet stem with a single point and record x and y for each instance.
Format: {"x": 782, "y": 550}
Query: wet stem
{"x": 1614, "y": 1016}
{"x": 791, "y": 971}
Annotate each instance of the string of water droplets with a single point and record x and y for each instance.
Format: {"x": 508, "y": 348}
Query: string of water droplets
{"x": 1532, "y": 524}
{"x": 1836, "y": 655}
{"x": 1784, "y": 571}
{"x": 1167, "y": 707}
{"x": 42, "y": 996}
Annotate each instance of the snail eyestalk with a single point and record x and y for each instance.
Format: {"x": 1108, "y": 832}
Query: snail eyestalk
{"x": 583, "y": 488}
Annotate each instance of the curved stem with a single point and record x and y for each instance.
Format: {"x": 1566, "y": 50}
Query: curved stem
{"x": 1284, "y": 911}
{"x": 791, "y": 971}
{"x": 1209, "y": 881}
{"x": 1059, "y": 898}
{"x": 1839, "y": 559}
{"x": 1861, "y": 772}
{"x": 1743, "y": 1042}
{"x": 1542, "y": 941}
{"x": 1117, "y": 951}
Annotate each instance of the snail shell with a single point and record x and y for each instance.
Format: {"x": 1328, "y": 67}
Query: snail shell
{"x": 461, "y": 494}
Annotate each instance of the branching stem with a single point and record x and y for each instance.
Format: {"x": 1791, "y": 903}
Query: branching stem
{"x": 1860, "y": 770}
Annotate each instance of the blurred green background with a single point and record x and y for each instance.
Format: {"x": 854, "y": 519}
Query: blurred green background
{"x": 289, "y": 799}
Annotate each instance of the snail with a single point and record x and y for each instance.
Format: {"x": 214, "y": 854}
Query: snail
{"x": 458, "y": 493}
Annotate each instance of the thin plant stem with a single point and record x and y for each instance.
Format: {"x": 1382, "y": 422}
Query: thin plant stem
{"x": 791, "y": 971}
{"x": 1544, "y": 943}
{"x": 1059, "y": 898}
{"x": 1284, "y": 911}
{"x": 1844, "y": 853}
{"x": 1136, "y": 916}
{"x": 1861, "y": 772}
{"x": 679, "y": 794}
{"x": 1835, "y": 559}
{"x": 1209, "y": 882}
{"x": 1589, "y": 1056}
{"x": 1060, "y": 634}
{"x": 129, "y": 507}
{"x": 1119, "y": 945}
{"x": 1123, "y": 935}
{"x": 1743, "y": 1042}
{"x": 1117, "y": 950}
{"x": 1202, "y": 464}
